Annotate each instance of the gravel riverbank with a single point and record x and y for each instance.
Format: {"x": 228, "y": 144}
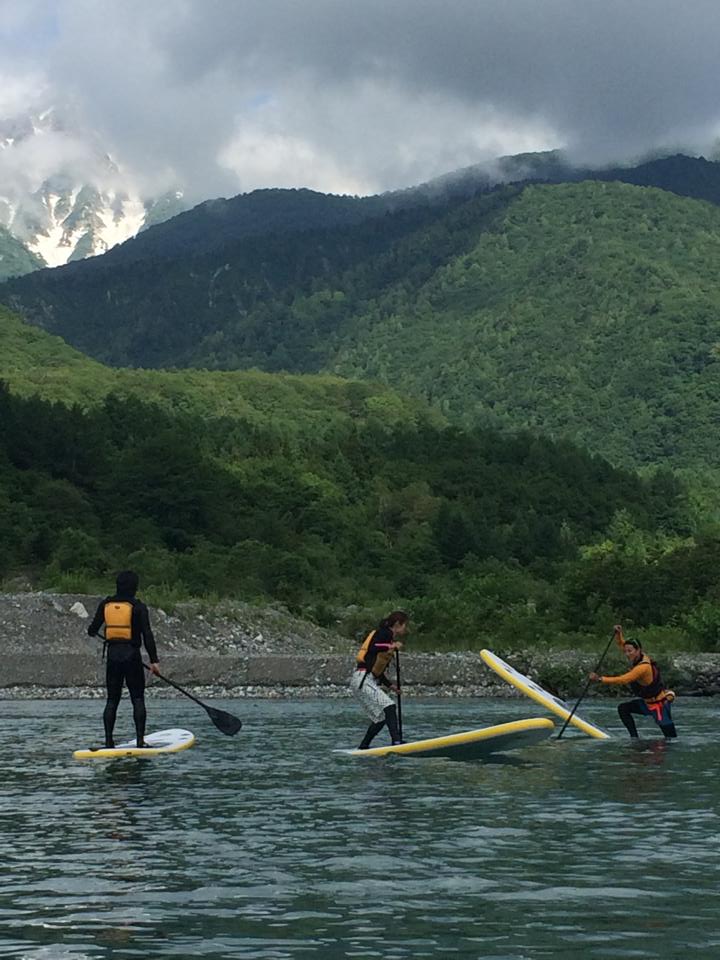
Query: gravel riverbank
{"x": 235, "y": 650}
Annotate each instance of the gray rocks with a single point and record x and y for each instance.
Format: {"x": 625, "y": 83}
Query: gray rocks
{"x": 237, "y": 650}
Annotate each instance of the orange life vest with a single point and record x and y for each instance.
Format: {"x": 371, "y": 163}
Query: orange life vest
{"x": 118, "y": 620}
{"x": 382, "y": 658}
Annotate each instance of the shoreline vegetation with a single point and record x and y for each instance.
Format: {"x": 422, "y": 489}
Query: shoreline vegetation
{"x": 236, "y": 650}
{"x": 338, "y": 501}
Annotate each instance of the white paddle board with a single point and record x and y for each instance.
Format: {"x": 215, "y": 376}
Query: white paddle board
{"x": 164, "y": 741}
{"x": 470, "y": 745}
{"x": 539, "y": 695}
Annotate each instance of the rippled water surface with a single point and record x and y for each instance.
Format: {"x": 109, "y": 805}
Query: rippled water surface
{"x": 268, "y": 845}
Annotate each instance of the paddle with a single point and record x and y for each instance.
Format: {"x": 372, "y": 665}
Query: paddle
{"x": 399, "y": 694}
{"x": 586, "y": 688}
{"x": 225, "y": 722}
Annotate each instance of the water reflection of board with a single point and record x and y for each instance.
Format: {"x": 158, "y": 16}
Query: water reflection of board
{"x": 164, "y": 741}
{"x": 539, "y": 695}
{"x": 470, "y": 745}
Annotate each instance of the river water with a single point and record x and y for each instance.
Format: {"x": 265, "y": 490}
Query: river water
{"x": 268, "y": 845}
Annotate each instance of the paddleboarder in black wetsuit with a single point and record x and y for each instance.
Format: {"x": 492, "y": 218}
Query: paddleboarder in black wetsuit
{"x": 127, "y": 627}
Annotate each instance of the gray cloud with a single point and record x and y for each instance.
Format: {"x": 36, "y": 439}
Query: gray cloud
{"x": 365, "y": 95}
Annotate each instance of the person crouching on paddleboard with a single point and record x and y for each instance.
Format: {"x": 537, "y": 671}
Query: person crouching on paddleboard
{"x": 644, "y": 679}
{"x": 127, "y": 627}
{"x": 369, "y": 683}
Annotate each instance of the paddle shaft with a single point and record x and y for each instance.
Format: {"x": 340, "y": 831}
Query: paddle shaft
{"x": 399, "y": 693}
{"x": 176, "y": 685}
{"x": 586, "y": 688}
{"x": 224, "y": 721}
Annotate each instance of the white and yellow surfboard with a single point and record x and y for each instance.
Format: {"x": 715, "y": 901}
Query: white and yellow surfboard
{"x": 539, "y": 695}
{"x": 164, "y": 741}
{"x": 470, "y": 745}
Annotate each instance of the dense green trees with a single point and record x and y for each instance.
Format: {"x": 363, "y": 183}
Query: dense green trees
{"x": 483, "y": 536}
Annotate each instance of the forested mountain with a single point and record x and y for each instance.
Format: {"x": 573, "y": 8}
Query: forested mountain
{"x": 282, "y": 211}
{"x": 220, "y": 221}
{"x": 321, "y": 493}
{"x": 216, "y": 223}
{"x": 589, "y": 310}
{"x": 172, "y": 313}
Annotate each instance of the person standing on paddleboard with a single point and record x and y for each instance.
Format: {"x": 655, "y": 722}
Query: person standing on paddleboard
{"x": 369, "y": 683}
{"x": 643, "y": 677}
{"x": 127, "y": 628}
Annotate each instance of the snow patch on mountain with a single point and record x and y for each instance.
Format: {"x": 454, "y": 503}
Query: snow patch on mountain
{"x": 63, "y": 196}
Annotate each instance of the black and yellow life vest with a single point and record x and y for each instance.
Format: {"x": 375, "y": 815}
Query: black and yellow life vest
{"x": 652, "y": 690}
{"x": 118, "y": 620}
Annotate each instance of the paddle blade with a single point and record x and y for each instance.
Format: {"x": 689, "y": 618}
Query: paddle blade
{"x": 225, "y": 722}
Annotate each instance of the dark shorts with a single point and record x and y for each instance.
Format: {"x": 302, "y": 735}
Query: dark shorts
{"x": 660, "y": 712}
{"x": 124, "y": 667}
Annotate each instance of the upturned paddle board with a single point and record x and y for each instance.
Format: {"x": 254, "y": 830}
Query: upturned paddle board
{"x": 539, "y": 695}
{"x": 470, "y": 745}
{"x": 164, "y": 741}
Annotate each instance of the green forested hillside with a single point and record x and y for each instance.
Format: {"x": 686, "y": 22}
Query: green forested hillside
{"x": 226, "y": 308}
{"x": 586, "y": 310}
{"x": 337, "y": 498}
{"x": 591, "y": 310}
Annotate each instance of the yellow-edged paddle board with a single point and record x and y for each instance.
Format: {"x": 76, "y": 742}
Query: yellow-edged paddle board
{"x": 164, "y": 741}
{"x": 470, "y": 745}
{"x": 539, "y": 695}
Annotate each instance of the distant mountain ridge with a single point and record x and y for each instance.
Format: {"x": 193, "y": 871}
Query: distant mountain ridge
{"x": 215, "y": 223}
{"x": 686, "y": 176}
{"x": 65, "y": 220}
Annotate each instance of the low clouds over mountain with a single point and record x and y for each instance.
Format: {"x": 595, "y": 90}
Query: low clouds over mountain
{"x": 221, "y": 96}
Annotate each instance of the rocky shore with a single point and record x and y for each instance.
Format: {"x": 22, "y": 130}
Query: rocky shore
{"x": 236, "y": 650}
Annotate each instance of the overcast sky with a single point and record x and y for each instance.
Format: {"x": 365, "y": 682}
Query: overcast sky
{"x": 359, "y": 96}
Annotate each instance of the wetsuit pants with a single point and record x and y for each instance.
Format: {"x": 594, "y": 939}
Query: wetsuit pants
{"x": 124, "y": 666}
{"x": 374, "y": 729}
{"x": 660, "y": 712}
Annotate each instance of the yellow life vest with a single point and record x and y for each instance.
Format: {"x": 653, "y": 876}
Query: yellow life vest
{"x": 364, "y": 648}
{"x": 118, "y": 620}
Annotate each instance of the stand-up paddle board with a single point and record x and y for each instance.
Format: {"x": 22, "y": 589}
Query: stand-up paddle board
{"x": 471, "y": 745}
{"x": 539, "y": 695}
{"x": 165, "y": 741}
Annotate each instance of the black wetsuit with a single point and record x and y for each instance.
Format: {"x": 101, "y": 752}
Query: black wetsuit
{"x": 124, "y": 664}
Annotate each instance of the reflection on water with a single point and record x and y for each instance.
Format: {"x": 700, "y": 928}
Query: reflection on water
{"x": 268, "y": 845}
